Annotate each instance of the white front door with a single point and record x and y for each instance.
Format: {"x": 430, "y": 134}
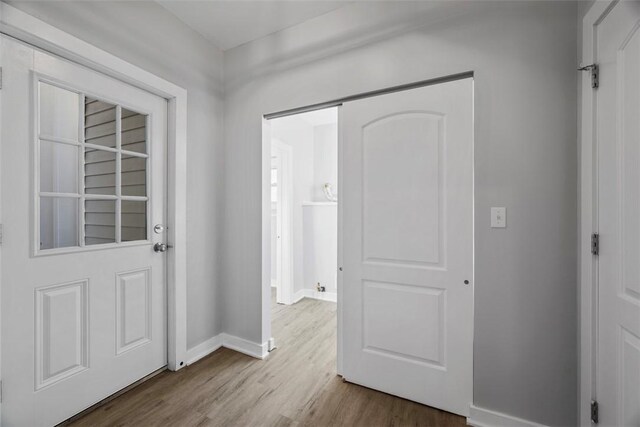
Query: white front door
{"x": 83, "y": 292}
{"x": 618, "y": 187}
{"x": 408, "y": 244}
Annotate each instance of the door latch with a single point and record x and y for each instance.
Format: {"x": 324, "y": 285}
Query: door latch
{"x": 161, "y": 247}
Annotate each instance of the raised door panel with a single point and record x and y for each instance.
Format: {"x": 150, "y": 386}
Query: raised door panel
{"x": 133, "y": 309}
{"x": 61, "y": 332}
{"x": 404, "y": 322}
{"x": 402, "y": 189}
{"x": 630, "y": 378}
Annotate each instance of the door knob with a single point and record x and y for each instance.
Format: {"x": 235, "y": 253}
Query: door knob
{"x": 160, "y": 247}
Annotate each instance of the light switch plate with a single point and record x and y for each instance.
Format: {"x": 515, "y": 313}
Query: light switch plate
{"x": 499, "y": 217}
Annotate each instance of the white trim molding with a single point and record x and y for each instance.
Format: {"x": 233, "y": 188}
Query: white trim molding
{"x": 203, "y": 349}
{"x": 587, "y": 265}
{"x": 30, "y": 30}
{"x": 285, "y": 289}
{"x": 250, "y": 348}
{"x": 259, "y": 351}
{"x": 480, "y": 417}
{"x": 310, "y": 293}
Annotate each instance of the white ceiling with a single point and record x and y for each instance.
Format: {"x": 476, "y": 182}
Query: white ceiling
{"x": 230, "y": 23}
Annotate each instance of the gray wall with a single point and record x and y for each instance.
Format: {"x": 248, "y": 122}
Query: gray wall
{"x": 524, "y": 58}
{"x": 145, "y": 34}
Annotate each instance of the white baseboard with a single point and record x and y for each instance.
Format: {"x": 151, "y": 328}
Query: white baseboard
{"x": 298, "y": 296}
{"x": 324, "y": 296}
{"x": 259, "y": 351}
{"x": 204, "y": 349}
{"x": 480, "y": 417}
{"x": 310, "y": 293}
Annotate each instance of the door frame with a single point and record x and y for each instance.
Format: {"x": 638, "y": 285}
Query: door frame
{"x": 28, "y": 29}
{"x": 588, "y": 218}
{"x": 285, "y": 278}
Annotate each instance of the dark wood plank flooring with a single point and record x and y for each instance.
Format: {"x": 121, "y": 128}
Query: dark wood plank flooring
{"x": 296, "y": 385}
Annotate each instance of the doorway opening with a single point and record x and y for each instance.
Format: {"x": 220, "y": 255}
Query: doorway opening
{"x": 303, "y": 209}
{"x": 404, "y": 242}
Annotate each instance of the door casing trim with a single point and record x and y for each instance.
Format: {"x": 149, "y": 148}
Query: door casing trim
{"x": 286, "y": 240}
{"x": 588, "y": 218}
{"x": 30, "y": 30}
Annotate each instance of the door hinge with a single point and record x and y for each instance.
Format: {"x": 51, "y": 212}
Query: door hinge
{"x": 593, "y": 69}
{"x": 595, "y": 244}
{"x": 594, "y": 412}
{"x": 0, "y": 77}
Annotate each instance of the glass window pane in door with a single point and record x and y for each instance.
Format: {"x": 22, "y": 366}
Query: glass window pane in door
{"x": 134, "y": 220}
{"x": 99, "y": 123}
{"x": 99, "y": 222}
{"x": 134, "y": 131}
{"x": 58, "y": 167}
{"x": 134, "y": 175}
{"x": 99, "y": 172}
{"x": 59, "y": 112}
{"x": 58, "y": 222}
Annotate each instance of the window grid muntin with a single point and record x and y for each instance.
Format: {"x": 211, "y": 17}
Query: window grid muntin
{"x": 81, "y": 165}
{"x": 118, "y": 173}
{"x": 81, "y": 193}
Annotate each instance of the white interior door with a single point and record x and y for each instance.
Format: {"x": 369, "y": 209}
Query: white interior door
{"x": 83, "y": 182}
{"x": 408, "y": 243}
{"x": 618, "y": 186}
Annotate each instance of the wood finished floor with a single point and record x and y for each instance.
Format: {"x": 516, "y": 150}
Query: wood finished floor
{"x": 295, "y": 386}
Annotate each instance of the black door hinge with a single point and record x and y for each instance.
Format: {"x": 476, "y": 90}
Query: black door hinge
{"x": 593, "y": 68}
{"x": 594, "y": 412}
{"x": 595, "y": 244}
